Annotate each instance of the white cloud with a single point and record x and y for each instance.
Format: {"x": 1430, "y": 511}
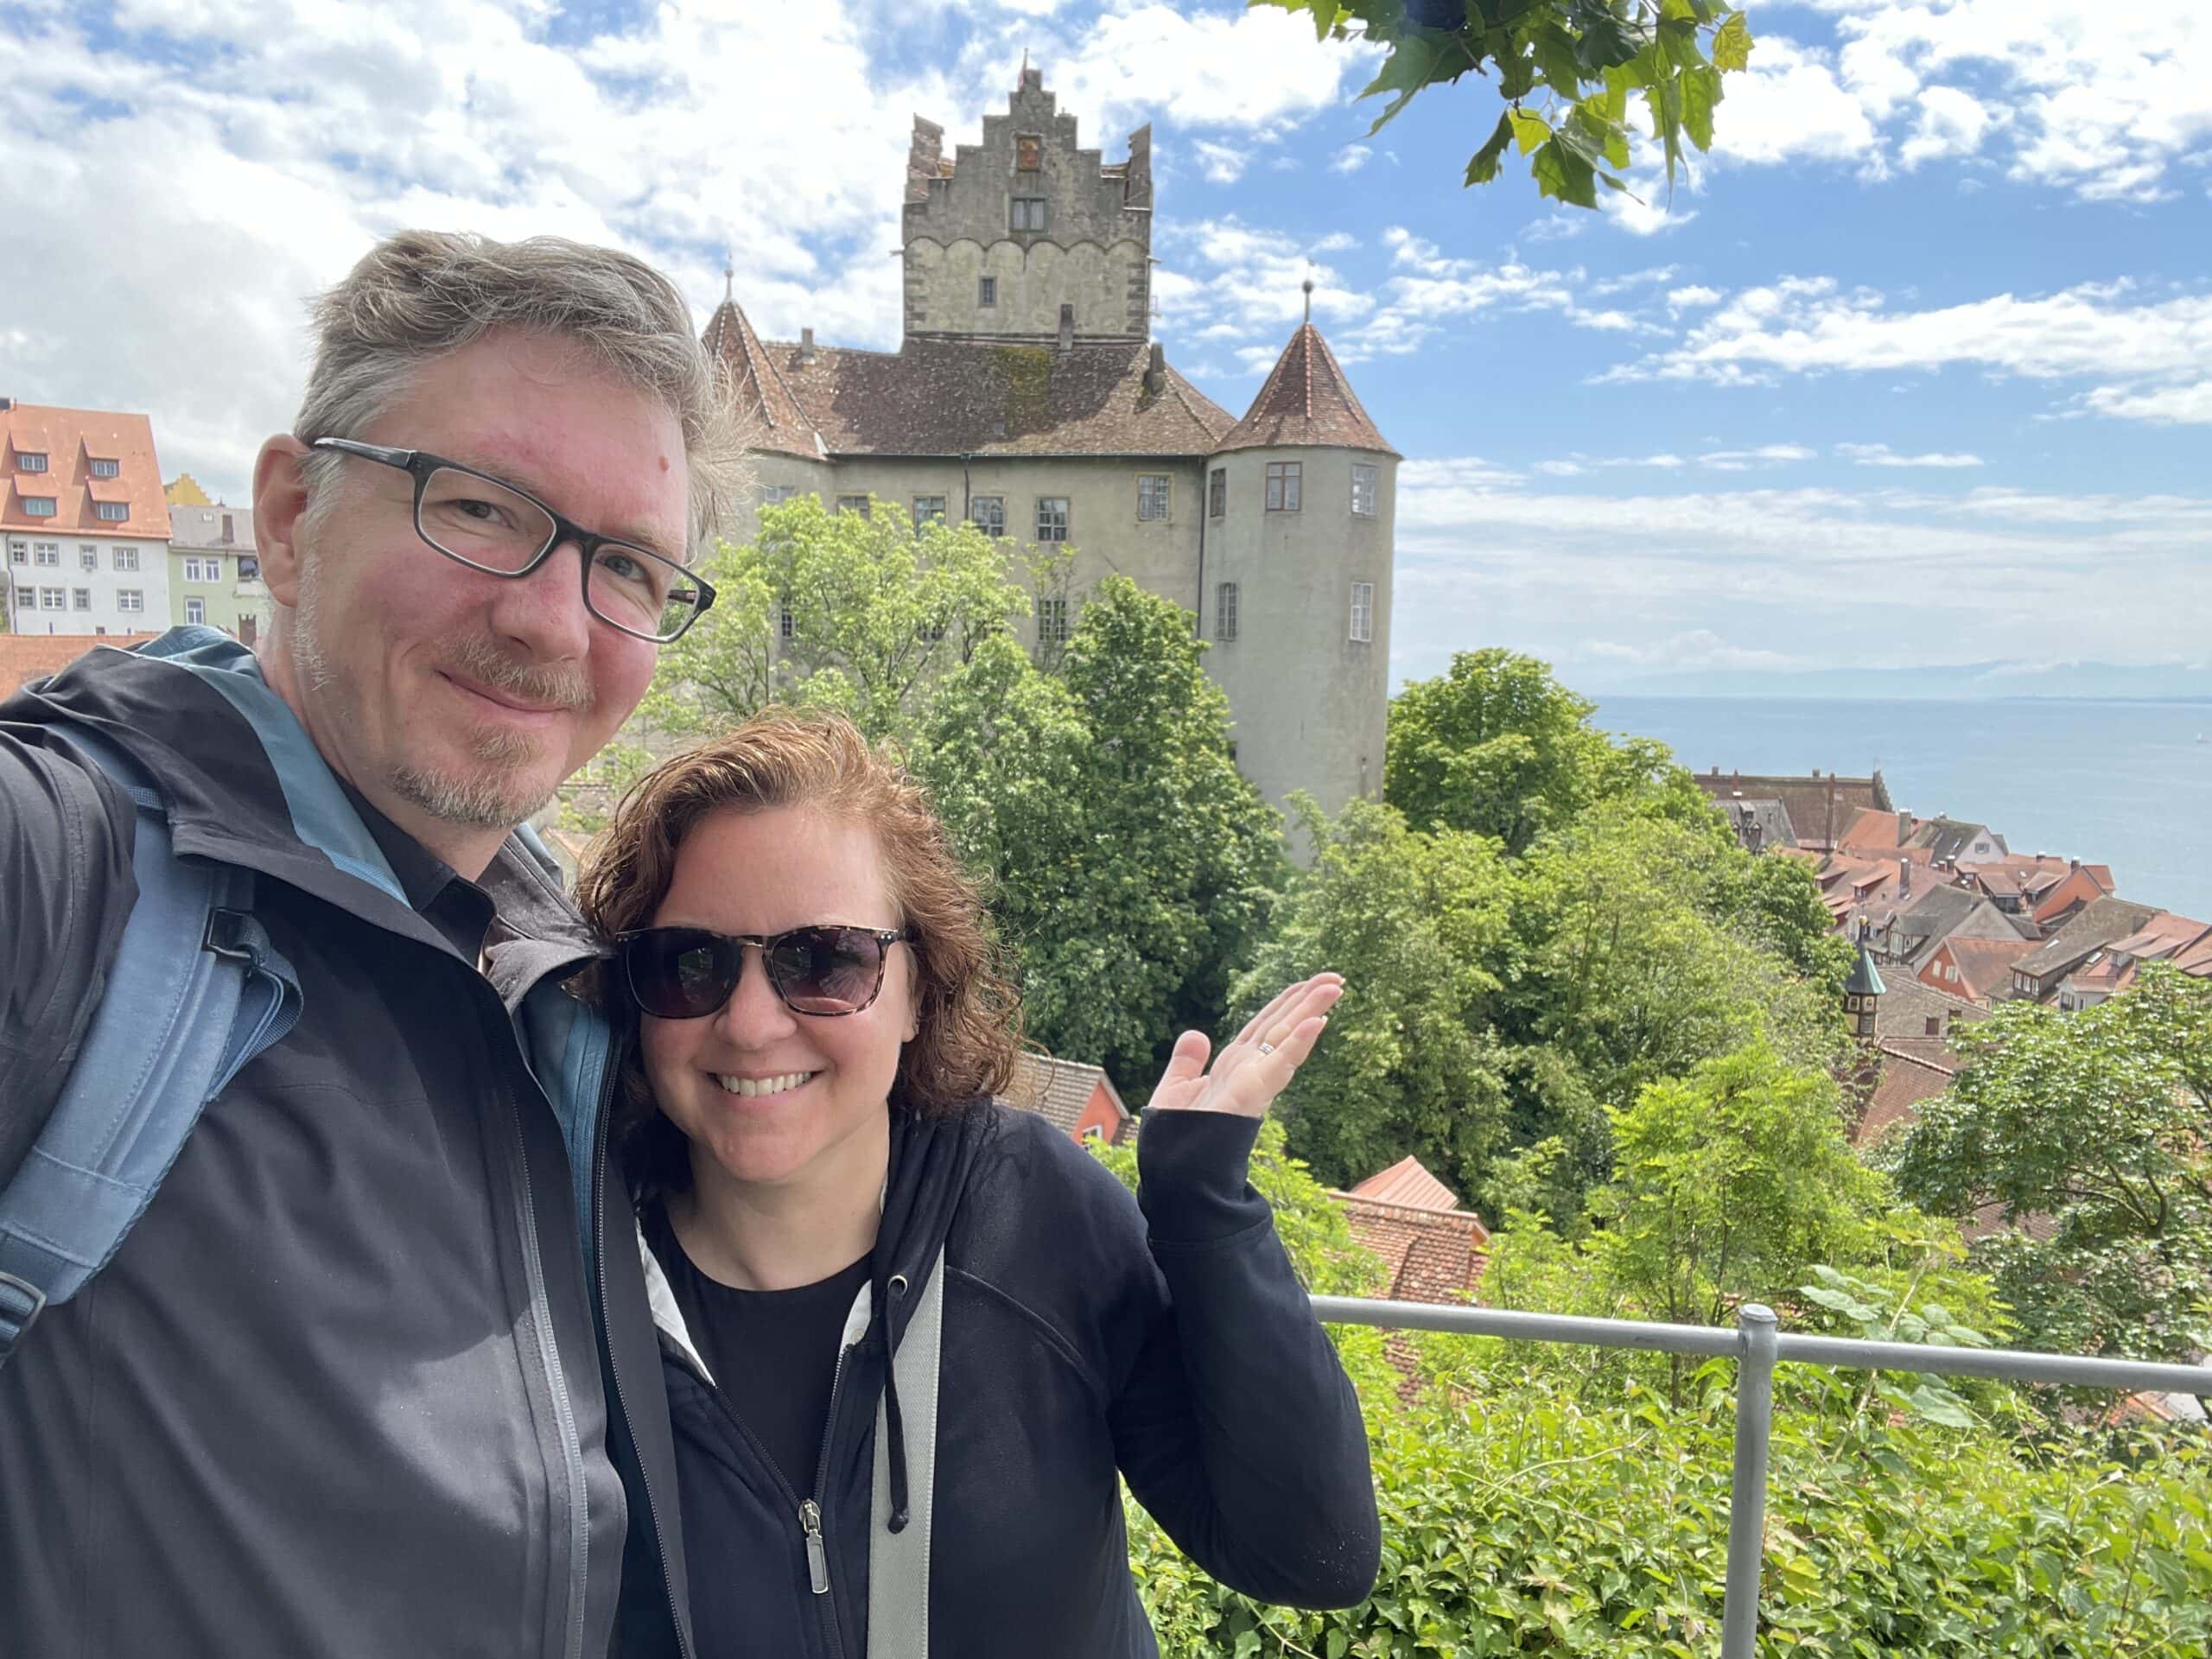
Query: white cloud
{"x": 1952, "y": 122}
{"x": 1743, "y": 460}
{"x": 1692, "y": 298}
{"x": 2154, "y": 358}
{"x": 1223, "y": 163}
{"x": 1226, "y": 281}
{"x": 1352, "y": 158}
{"x": 1880, "y": 454}
{"x": 1790, "y": 106}
{"x": 1693, "y": 648}
{"x": 1432, "y": 290}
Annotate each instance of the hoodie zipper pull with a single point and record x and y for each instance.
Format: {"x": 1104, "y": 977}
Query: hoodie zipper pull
{"x": 817, "y": 1557}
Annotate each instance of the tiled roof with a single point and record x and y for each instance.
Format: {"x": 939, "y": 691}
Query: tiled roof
{"x": 1431, "y": 1255}
{"x": 2096, "y": 924}
{"x": 2162, "y": 937}
{"x": 1408, "y": 1183}
{"x": 1307, "y": 399}
{"x": 1806, "y": 799}
{"x": 1771, "y": 820}
{"x": 772, "y": 418}
{"x": 70, "y": 439}
{"x": 1873, "y": 830}
{"x": 957, "y": 397}
{"x": 1946, "y": 838}
{"x": 1901, "y": 1018}
{"x": 28, "y": 657}
{"x": 1057, "y": 1091}
{"x": 1906, "y": 1080}
{"x": 1986, "y": 965}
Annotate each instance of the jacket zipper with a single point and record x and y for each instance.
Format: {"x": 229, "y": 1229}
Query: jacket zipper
{"x": 572, "y": 1453}
{"x": 812, "y": 1533}
{"x": 613, "y": 1364}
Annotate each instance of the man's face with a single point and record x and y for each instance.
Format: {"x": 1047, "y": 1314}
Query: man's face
{"x": 449, "y": 694}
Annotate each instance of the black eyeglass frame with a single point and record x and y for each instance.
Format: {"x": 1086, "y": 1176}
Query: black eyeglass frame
{"x": 885, "y": 939}
{"x": 420, "y": 464}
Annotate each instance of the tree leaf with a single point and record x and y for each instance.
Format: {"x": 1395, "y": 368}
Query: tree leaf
{"x": 1561, "y": 173}
{"x": 1700, "y": 92}
{"x": 1409, "y": 67}
{"x": 1483, "y": 168}
{"x": 1731, "y": 43}
{"x": 1554, "y": 53}
{"x": 1530, "y": 128}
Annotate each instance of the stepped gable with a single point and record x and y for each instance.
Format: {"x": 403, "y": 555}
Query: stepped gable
{"x": 976, "y": 397}
{"x": 774, "y": 419}
{"x": 1306, "y": 400}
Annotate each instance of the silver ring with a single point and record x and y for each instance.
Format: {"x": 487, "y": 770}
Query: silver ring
{"x": 1266, "y": 1048}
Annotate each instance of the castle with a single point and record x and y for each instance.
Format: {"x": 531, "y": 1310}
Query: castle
{"x": 1028, "y": 398}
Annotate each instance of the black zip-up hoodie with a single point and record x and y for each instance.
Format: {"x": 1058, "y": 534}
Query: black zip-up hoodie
{"x": 1081, "y": 1338}
{"x": 339, "y": 1395}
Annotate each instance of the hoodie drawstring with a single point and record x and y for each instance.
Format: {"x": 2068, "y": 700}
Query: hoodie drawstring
{"x": 893, "y": 1422}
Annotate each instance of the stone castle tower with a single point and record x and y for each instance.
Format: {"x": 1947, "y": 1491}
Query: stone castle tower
{"x": 1027, "y": 397}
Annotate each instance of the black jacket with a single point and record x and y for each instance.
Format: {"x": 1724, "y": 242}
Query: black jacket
{"x": 1080, "y": 1339}
{"x": 339, "y": 1395}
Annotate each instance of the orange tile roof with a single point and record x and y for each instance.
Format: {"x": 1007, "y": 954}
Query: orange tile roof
{"x": 1873, "y": 830}
{"x": 1905, "y": 1081}
{"x": 1408, "y": 1183}
{"x": 1986, "y": 965}
{"x": 71, "y": 439}
{"x": 28, "y": 657}
{"x": 1430, "y": 1255}
{"x": 1306, "y": 400}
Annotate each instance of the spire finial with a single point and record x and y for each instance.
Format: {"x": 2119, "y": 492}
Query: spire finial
{"x": 1308, "y": 286}
{"x": 729, "y": 278}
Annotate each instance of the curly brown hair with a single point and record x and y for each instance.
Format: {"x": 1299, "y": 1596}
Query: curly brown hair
{"x": 968, "y": 1015}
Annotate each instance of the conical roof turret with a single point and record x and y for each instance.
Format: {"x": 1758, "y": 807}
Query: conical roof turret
{"x": 1306, "y": 400}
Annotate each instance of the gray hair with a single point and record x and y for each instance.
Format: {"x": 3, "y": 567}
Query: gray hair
{"x": 418, "y": 296}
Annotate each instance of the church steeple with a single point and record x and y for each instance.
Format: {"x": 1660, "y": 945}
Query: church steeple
{"x": 1306, "y": 400}
{"x": 774, "y": 419}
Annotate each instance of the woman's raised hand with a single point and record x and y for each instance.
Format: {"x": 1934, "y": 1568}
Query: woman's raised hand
{"x": 1248, "y": 1075}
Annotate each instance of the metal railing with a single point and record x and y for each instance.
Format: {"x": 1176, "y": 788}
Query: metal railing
{"x": 1756, "y": 1345}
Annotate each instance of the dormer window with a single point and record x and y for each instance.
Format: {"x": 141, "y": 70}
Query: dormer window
{"x": 38, "y": 506}
{"x": 1029, "y": 152}
{"x": 113, "y": 512}
{"x": 105, "y": 468}
{"x": 29, "y": 462}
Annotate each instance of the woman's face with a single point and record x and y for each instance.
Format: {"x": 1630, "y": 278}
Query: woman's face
{"x": 769, "y": 1096}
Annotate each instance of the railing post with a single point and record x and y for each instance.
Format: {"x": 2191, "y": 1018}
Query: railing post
{"x": 1739, "y": 1617}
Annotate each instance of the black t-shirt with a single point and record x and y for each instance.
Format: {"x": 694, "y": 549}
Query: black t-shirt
{"x": 774, "y": 1352}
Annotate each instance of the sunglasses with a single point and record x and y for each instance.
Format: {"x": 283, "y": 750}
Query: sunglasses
{"x": 688, "y": 973}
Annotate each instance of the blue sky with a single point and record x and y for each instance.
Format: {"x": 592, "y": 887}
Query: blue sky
{"x": 1916, "y": 369}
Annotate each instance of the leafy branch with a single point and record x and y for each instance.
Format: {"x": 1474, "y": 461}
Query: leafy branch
{"x": 1567, "y": 70}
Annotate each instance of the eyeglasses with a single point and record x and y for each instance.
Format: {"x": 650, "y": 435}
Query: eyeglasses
{"x": 688, "y": 973}
{"x": 476, "y": 520}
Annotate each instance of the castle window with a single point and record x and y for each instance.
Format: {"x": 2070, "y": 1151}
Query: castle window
{"x": 786, "y": 623}
{"x": 47, "y": 554}
{"x": 1051, "y": 621}
{"x": 113, "y": 512}
{"x": 987, "y": 290}
{"x": 53, "y": 599}
{"x": 1363, "y": 611}
{"x": 1362, "y": 490}
{"x": 81, "y": 599}
{"x": 19, "y": 552}
{"x": 1152, "y": 495}
{"x": 105, "y": 468}
{"x": 195, "y": 610}
{"x": 26, "y": 598}
{"x": 1029, "y": 151}
{"x": 1052, "y": 518}
{"x": 988, "y": 514}
{"x": 89, "y": 558}
{"x": 27, "y": 462}
{"x": 928, "y": 509}
{"x": 1283, "y": 485}
{"x": 1225, "y": 612}
{"x": 853, "y": 504}
{"x": 1027, "y": 213}
{"x": 126, "y": 558}
{"x": 1218, "y": 492}
{"x": 776, "y": 494}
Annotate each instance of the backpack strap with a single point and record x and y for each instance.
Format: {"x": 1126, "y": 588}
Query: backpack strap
{"x": 195, "y": 991}
{"x": 899, "y": 1562}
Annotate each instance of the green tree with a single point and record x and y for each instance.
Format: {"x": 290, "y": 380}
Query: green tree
{"x": 1567, "y": 70}
{"x": 2099, "y": 1124}
{"x": 1133, "y": 867}
{"x": 1417, "y": 925}
{"x": 861, "y": 613}
{"x": 1497, "y": 746}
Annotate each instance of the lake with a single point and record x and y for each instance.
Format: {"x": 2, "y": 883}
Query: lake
{"x": 2124, "y": 784}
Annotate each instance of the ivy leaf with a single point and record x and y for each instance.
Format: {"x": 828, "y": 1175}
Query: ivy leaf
{"x": 1530, "y": 128}
{"x": 1484, "y": 166}
{"x": 1700, "y": 92}
{"x": 1731, "y": 43}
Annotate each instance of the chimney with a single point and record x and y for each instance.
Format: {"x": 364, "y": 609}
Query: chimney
{"x": 6, "y": 404}
{"x": 806, "y": 348}
{"x": 1905, "y": 827}
{"x": 2073, "y": 864}
{"x": 1155, "y": 374}
{"x": 1067, "y": 327}
{"x": 1904, "y": 878}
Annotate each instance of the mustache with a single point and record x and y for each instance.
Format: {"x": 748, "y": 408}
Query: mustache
{"x": 477, "y": 659}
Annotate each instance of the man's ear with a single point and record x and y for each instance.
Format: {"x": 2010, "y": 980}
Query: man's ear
{"x": 280, "y": 504}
